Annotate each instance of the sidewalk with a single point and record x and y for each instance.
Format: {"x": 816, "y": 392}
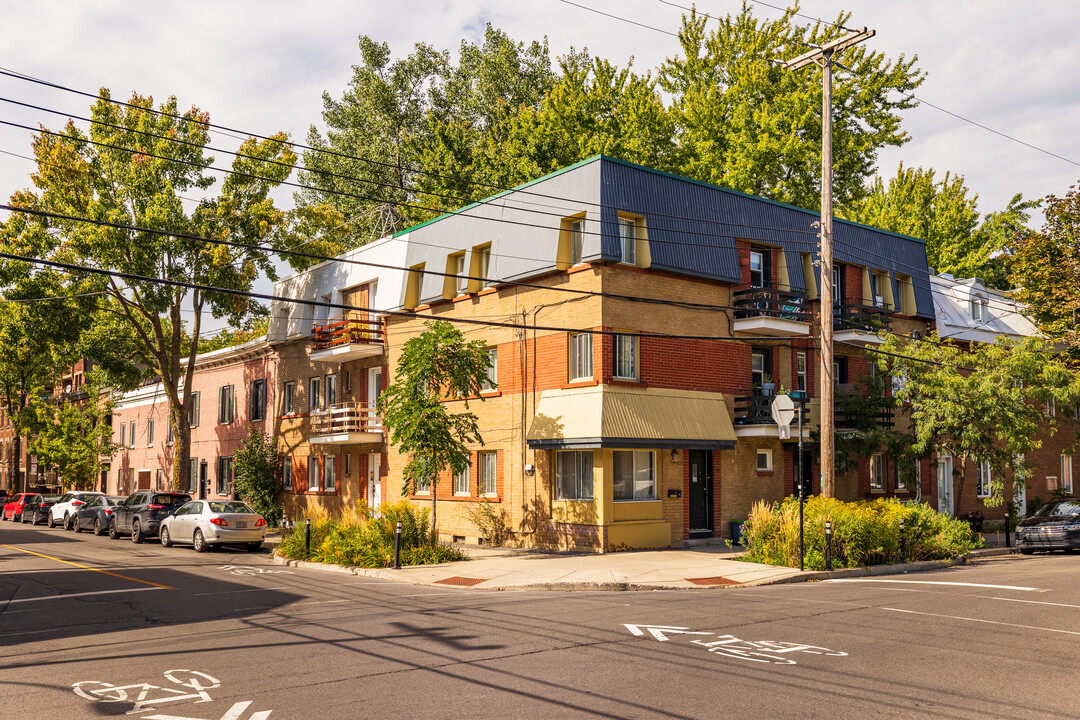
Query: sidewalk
{"x": 697, "y": 567}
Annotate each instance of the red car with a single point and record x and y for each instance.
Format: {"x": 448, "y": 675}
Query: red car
{"x": 13, "y": 510}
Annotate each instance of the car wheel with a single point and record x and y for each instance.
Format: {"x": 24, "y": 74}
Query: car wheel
{"x": 97, "y": 527}
{"x": 136, "y": 533}
{"x": 75, "y": 524}
{"x": 50, "y": 522}
{"x": 1026, "y": 551}
{"x": 37, "y": 518}
{"x": 22, "y": 518}
{"x": 166, "y": 541}
{"x": 254, "y": 546}
{"x": 199, "y": 542}
{"x": 113, "y": 534}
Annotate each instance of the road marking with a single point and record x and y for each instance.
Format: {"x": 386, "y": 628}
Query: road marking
{"x": 72, "y": 595}
{"x": 232, "y": 592}
{"x": 988, "y": 622}
{"x": 87, "y": 567}
{"x": 658, "y": 631}
{"x": 935, "y": 582}
{"x": 233, "y": 713}
{"x": 1036, "y": 602}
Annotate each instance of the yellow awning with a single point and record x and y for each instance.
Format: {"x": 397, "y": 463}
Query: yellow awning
{"x": 617, "y": 416}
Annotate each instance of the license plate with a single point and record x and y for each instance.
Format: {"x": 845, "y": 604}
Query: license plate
{"x": 241, "y": 524}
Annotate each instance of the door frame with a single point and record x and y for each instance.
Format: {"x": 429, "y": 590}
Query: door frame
{"x": 706, "y": 459}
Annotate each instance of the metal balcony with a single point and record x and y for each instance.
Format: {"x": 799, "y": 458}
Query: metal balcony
{"x": 346, "y": 424}
{"x": 753, "y": 416}
{"x": 345, "y": 338}
{"x": 771, "y": 311}
{"x": 860, "y": 324}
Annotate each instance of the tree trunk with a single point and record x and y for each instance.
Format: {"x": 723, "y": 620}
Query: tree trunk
{"x": 959, "y": 484}
{"x": 16, "y": 464}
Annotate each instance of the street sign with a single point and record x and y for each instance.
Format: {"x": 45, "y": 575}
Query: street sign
{"x": 783, "y": 410}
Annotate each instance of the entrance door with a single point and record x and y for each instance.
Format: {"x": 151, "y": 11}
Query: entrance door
{"x": 202, "y": 480}
{"x": 944, "y": 485}
{"x": 701, "y": 489}
{"x": 374, "y": 484}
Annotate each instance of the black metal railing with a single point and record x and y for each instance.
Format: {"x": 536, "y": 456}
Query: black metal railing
{"x": 856, "y": 316}
{"x": 771, "y": 302}
{"x": 756, "y": 409}
{"x": 846, "y": 416}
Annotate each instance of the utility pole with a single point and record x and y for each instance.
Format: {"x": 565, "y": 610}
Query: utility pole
{"x": 823, "y": 57}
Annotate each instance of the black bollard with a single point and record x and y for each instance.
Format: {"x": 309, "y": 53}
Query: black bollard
{"x": 307, "y": 539}
{"x": 397, "y": 546}
{"x": 903, "y": 543}
{"x": 828, "y": 545}
{"x": 1008, "y": 543}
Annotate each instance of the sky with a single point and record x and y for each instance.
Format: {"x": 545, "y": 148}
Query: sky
{"x": 261, "y": 66}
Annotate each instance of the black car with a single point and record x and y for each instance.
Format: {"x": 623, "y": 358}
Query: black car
{"x": 97, "y": 513}
{"x": 1056, "y": 526}
{"x": 37, "y": 509}
{"x": 142, "y": 511}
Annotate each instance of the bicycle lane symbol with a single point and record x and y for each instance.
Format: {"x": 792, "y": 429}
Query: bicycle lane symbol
{"x": 145, "y": 696}
{"x": 766, "y": 651}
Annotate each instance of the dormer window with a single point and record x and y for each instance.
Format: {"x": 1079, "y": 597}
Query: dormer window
{"x": 577, "y": 229}
{"x": 628, "y": 235}
{"x": 979, "y": 308}
{"x": 758, "y": 268}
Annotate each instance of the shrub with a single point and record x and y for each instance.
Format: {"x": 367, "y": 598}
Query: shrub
{"x": 490, "y": 520}
{"x": 863, "y": 533}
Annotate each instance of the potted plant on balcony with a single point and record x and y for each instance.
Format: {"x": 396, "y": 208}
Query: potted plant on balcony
{"x": 767, "y": 385}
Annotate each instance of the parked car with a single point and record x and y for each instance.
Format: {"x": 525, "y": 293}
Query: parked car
{"x": 69, "y": 503}
{"x": 1056, "y": 526}
{"x": 4, "y": 496}
{"x": 142, "y": 511}
{"x": 208, "y": 524}
{"x": 37, "y": 508}
{"x": 13, "y": 510}
{"x": 96, "y": 514}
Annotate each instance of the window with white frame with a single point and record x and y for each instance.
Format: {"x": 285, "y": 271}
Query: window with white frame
{"x": 1066, "y": 483}
{"x": 982, "y": 487}
{"x": 461, "y": 282}
{"x": 193, "y": 414}
{"x": 626, "y": 357}
{"x": 488, "y": 478}
{"x": 169, "y": 437}
{"x": 461, "y": 481}
{"x": 757, "y": 268}
{"x": 313, "y": 473}
{"x": 900, "y": 479}
{"x": 634, "y": 475}
{"x": 160, "y": 479}
{"x": 1050, "y": 407}
{"x": 577, "y": 231}
{"x": 491, "y": 380}
{"x": 877, "y": 473}
{"x": 131, "y": 433}
{"x": 193, "y": 476}
{"x": 764, "y": 460}
{"x": 483, "y": 264}
{"x": 150, "y": 432}
{"x": 123, "y": 434}
{"x": 288, "y": 398}
{"x": 330, "y": 392}
{"x": 581, "y": 356}
{"x": 286, "y": 474}
{"x": 801, "y": 371}
{"x": 628, "y": 237}
{"x": 574, "y": 475}
{"x": 423, "y": 486}
{"x": 314, "y": 393}
{"x": 329, "y": 479}
{"x": 225, "y": 404}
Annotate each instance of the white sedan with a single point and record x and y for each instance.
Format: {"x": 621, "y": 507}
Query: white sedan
{"x": 208, "y": 524}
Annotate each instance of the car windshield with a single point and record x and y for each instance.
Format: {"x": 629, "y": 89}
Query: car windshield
{"x": 177, "y": 500}
{"x": 111, "y": 500}
{"x": 50, "y": 498}
{"x": 1061, "y": 508}
{"x": 230, "y": 507}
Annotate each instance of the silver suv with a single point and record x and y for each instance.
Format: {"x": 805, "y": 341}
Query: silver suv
{"x": 67, "y": 507}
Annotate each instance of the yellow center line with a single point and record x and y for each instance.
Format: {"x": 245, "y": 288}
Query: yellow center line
{"x": 87, "y": 567}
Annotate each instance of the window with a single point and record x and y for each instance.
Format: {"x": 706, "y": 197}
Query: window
{"x": 313, "y": 474}
{"x": 764, "y": 461}
{"x": 193, "y": 478}
{"x": 315, "y": 393}
{"x": 877, "y": 473}
{"x": 257, "y": 398}
{"x": 169, "y": 438}
{"x": 328, "y": 473}
{"x": 1050, "y": 407}
{"x": 626, "y": 357}
{"x": 800, "y": 371}
{"x": 628, "y": 238}
{"x": 900, "y": 480}
{"x": 491, "y": 381}
{"x": 461, "y": 481}
{"x": 224, "y": 476}
{"x": 123, "y": 434}
{"x": 576, "y": 234}
{"x": 286, "y": 474}
{"x": 1066, "y": 483}
{"x": 760, "y": 367}
{"x": 347, "y": 470}
{"x": 488, "y": 485}
{"x": 483, "y": 262}
{"x": 160, "y": 479}
{"x": 193, "y": 413}
{"x": 574, "y": 475}
{"x": 131, "y": 433}
{"x": 288, "y": 398}
{"x": 225, "y": 405}
{"x": 581, "y": 356}
{"x": 348, "y": 381}
{"x": 150, "y": 432}
{"x": 757, "y": 268}
{"x": 461, "y": 282}
{"x": 634, "y": 478}
{"x": 982, "y": 489}
{"x": 979, "y": 310}
{"x": 331, "y": 390}
{"x": 423, "y": 486}
{"x": 840, "y": 370}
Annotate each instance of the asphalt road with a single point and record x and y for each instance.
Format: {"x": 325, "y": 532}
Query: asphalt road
{"x": 91, "y": 627}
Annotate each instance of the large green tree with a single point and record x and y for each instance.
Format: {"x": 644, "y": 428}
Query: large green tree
{"x": 436, "y": 370}
{"x": 74, "y": 437}
{"x": 137, "y": 166}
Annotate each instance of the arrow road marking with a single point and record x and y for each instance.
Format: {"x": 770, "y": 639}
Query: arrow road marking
{"x": 658, "y": 631}
{"x": 233, "y": 713}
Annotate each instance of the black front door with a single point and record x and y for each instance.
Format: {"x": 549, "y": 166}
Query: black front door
{"x": 701, "y": 490}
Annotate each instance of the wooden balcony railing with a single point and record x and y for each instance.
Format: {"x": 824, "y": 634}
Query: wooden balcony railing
{"x": 346, "y": 330}
{"x": 351, "y": 417}
{"x": 771, "y": 302}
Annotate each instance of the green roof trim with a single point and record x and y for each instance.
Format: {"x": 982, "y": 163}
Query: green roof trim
{"x": 654, "y": 171}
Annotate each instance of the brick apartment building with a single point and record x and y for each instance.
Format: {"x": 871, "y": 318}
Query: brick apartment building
{"x": 234, "y": 389}
{"x": 629, "y": 398}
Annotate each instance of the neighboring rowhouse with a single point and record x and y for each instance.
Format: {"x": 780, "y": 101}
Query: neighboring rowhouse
{"x": 629, "y": 404}
{"x": 233, "y": 390}
{"x": 969, "y": 312}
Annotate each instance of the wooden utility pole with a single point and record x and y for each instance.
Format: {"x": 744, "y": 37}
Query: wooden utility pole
{"x": 823, "y": 57}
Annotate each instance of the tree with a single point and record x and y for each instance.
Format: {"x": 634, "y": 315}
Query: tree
{"x": 435, "y": 368}
{"x": 944, "y": 214}
{"x": 983, "y": 404}
{"x": 745, "y": 122}
{"x": 74, "y": 437}
{"x": 1046, "y": 268}
{"x": 256, "y": 476}
{"x": 134, "y": 168}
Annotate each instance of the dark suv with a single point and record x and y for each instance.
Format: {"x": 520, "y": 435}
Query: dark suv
{"x": 142, "y": 512}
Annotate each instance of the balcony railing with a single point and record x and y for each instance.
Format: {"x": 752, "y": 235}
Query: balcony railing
{"x": 880, "y": 412}
{"x": 351, "y": 417}
{"x": 346, "y": 330}
{"x": 856, "y": 316}
{"x": 771, "y": 302}
{"x": 757, "y": 410}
